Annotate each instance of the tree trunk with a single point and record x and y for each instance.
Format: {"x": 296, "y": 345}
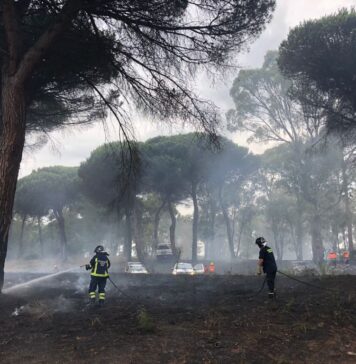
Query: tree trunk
{"x": 317, "y": 241}
{"x": 299, "y": 237}
{"x": 138, "y": 233}
{"x": 62, "y": 235}
{"x": 210, "y": 248}
{"x": 20, "y": 251}
{"x": 335, "y": 237}
{"x": 241, "y": 231}
{"x": 276, "y": 241}
{"x": 128, "y": 237}
{"x": 40, "y": 237}
{"x": 15, "y": 73}
{"x": 156, "y": 225}
{"x": 12, "y": 139}
{"x": 229, "y": 231}
{"x": 348, "y": 212}
{"x": 195, "y": 224}
{"x": 172, "y": 228}
{"x": 299, "y": 241}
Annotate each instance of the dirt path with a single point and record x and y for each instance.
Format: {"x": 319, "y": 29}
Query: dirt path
{"x": 180, "y": 320}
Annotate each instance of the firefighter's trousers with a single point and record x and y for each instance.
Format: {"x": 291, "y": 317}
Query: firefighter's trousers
{"x": 100, "y": 283}
{"x": 270, "y": 277}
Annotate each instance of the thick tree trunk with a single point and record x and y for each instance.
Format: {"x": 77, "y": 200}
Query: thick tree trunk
{"x": 317, "y": 241}
{"x": 15, "y": 73}
{"x": 40, "y": 237}
{"x": 12, "y": 141}
{"x": 156, "y": 225}
{"x": 20, "y": 251}
{"x": 348, "y": 212}
{"x": 128, "y": 237}
{"x": 62, "y": 235}
{"x": 195, "y": 224}
{"x": 172, "y": 228}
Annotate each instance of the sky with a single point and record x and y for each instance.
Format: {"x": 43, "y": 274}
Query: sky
{"x": 70, "y": 147}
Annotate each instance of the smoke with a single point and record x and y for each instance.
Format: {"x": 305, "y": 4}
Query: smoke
{"x": 45, "y": 308}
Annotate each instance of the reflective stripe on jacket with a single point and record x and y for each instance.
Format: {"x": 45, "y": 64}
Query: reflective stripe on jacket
{"x": 100, "y": 264}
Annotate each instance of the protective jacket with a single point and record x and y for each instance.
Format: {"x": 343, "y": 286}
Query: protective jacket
{"x": 100, "y": 264}
{"x": 269, "y": 263}
{"x": 332, "y": 255}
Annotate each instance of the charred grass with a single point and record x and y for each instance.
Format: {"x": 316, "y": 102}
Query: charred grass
{"x": 198, "y": 320}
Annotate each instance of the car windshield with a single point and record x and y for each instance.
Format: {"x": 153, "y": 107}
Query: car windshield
{"x": 184, "y": 266}
{"x": 163, "y": 247}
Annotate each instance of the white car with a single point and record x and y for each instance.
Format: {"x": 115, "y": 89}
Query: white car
{"x": 199, "y": 268}
{"x": 135, "y": 268}
{"x": 164, "y": 252}
{"x": 183, "y": 268}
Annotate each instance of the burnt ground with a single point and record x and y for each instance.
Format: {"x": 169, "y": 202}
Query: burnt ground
{"x": 167, "y": 319}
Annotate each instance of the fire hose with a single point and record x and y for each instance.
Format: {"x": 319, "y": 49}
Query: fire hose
{"x": 307, "y": 283}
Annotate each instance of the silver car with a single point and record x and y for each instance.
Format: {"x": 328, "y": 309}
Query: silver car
{"x": 183, "y": 268}
{"x": 199, "y": 268}
{"x": 135, "y": 268}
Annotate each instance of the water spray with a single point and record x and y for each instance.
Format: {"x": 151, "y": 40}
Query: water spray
{"x": 36, "y": 280}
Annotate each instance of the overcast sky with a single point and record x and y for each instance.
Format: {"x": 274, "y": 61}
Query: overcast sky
{"x": 70, "y": 147}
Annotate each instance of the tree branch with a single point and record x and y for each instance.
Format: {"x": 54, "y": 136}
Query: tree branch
{"x": 44, "y": 42}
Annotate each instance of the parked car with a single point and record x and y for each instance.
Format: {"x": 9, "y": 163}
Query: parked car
{"x": 136, "y": 268}
{"x": 199, "y": 268}
{"x": 164, "y": 252}
{"x": 183, "y": 268}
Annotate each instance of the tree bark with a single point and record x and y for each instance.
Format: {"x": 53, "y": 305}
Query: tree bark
{"x": 14, "y": 75}
{"x": 348, "y": 212}
{"x": 62, "y": 235}
{"x": 195, "y": 224}
{"x": 40, "y": 237}
{"x": 172, "y": 228}
{"x": 11, "y": 147}
{"x": 20, "y": 251}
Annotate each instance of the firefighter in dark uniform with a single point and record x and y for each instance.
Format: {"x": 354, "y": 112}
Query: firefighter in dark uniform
{"x": 267, "y": 263}
{"x": 99, "y": 266}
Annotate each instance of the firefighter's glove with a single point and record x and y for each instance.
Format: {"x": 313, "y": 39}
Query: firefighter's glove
{"x": 87, "y": 266}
